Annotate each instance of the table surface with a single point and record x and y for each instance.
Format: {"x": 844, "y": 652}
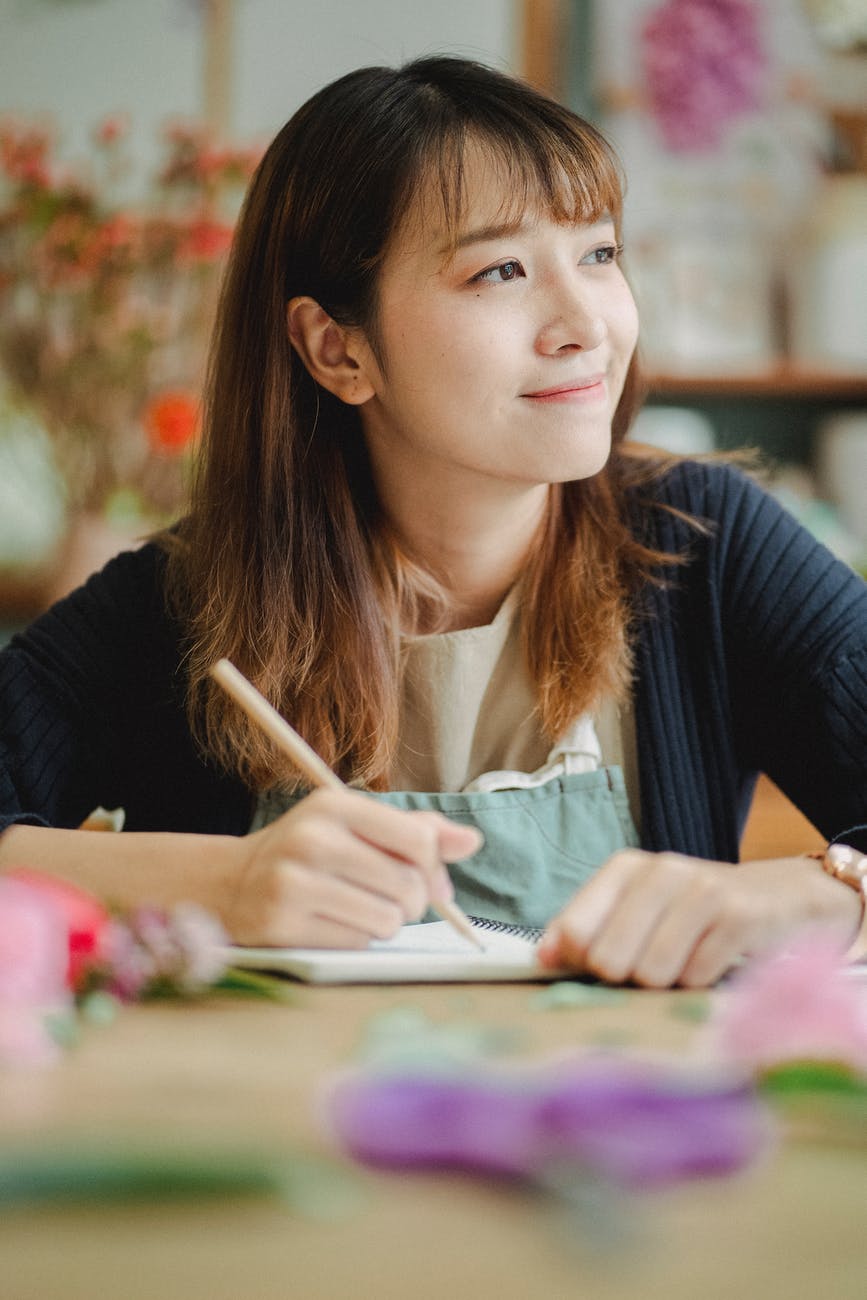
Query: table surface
{"x": 234, "y": 1073}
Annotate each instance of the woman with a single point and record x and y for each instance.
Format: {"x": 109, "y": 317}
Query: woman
{"x": 418, "y": 529}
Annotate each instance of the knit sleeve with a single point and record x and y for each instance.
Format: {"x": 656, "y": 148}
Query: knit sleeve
{"x": 792, "y": 624}
{"x": 71, "y": 687}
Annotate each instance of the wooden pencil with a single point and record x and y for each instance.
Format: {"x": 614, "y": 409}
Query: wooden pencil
{"x": 306, "y": 759}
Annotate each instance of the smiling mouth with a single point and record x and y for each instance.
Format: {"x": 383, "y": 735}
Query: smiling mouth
{"x": 573, "y": 390}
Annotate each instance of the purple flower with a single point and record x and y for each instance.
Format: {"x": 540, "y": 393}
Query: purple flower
{"x": 636, "y": 1124}
{"x": 703, "y": 62}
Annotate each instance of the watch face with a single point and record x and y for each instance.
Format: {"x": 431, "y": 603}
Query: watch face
{"x": 847, "y": 864}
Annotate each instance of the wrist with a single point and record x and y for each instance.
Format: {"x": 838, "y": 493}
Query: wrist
{"x": 849, "y": 868}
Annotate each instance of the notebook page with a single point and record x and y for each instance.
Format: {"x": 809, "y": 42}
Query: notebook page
{"x": 427, "y": 953}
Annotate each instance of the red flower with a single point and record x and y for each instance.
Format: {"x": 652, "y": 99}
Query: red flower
{"x": 85, "y": 917}
{"x": 205, "y": 241}
{"x": 24, "y": 154}
{"x": 171, "y": 422}
{"x": 111, "y": 129}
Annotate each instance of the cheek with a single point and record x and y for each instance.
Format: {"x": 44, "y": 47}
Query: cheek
{"x": 623, "y": 321}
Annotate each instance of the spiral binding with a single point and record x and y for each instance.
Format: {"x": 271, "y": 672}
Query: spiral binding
{"x": 533, "y": 932}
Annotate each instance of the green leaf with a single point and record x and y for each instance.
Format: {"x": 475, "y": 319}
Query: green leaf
{"x": 93, "y": 1173}
{"x": 564, "y": 994}
{"x": 798, "y": 1078}
{"x": 256, "y": 984}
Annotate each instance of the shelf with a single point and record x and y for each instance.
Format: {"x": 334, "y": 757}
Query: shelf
{"x": 783, "y": 381}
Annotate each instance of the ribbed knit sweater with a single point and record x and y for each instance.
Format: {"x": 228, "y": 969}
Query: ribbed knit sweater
{"x": 752, "y": 657}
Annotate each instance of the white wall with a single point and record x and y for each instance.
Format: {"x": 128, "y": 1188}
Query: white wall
{"x": 289, "y": 48}
{"x": 79, "y": 60}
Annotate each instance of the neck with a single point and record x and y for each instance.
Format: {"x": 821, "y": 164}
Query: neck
{"x": 476, "y": 554}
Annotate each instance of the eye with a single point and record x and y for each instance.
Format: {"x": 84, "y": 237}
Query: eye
{"x": 604, "y": 255}
{"x": 499, "y": 274}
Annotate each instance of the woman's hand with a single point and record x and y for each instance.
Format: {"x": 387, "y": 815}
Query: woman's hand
{"x": 340, "y": 869}
{"x": 660, "y": 919}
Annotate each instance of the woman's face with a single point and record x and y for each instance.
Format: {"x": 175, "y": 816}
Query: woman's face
{"x": 499, "y": 365}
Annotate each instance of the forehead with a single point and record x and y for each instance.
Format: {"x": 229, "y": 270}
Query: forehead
{"x": 480, "y": 186}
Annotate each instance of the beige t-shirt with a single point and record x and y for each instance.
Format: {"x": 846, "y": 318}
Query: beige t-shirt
{"x": 468, "y": 709}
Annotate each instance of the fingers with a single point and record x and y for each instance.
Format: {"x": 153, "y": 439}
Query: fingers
{"x": 653, "y": 919}
{"x": 341, "y": 868}
{"x": 639, "y": 940}
{"x": 313, "y": 909}
{"x": 455, "y": 841}
{"x": 692, "y": 944}
{"x": 330, "y": 848}
{"x": 423, "y": 839}
{"x": 570, "y": 935}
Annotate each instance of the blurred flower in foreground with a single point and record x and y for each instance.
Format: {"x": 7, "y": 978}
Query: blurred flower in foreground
{"x": 34, "y": 964}
{"x": 83, "y": 917}
{"x": 152, "y": 952}
{"x": 60, "y": 947}
{"x": 636, "y": 1124}
{"x": 800, "y": 1003}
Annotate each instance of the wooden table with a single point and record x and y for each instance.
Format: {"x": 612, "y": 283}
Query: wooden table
{"x": 242, "y": 1073}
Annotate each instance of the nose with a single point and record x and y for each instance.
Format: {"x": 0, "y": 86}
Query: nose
{"x": 572, "y": 319}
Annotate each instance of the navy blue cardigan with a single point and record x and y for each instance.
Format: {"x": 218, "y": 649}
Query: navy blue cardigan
{"x": 752, "y": 658}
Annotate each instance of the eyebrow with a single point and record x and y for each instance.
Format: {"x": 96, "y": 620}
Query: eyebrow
{"x": 483, "y": 234}
{"x": 501, "y": 230}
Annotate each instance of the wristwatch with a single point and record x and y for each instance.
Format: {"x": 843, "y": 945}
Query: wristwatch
{"x": 849, "y": 866}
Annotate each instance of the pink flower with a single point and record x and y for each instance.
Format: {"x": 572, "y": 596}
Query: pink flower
{"x": 82, "y": 917}
{"x": 131, "y": 967}
{"x": 34, "y": 959}
{"x": 703, "y": 61}
{"x": 34, "y": 949}
{"x": 800, "y": 1003}
{"x": 24, "y": 1038}
{"x": 153, "y": 951}
{"x": 201, "y": 942}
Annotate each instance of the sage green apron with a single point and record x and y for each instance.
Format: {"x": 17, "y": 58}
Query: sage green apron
{"x": 541, "y": 843}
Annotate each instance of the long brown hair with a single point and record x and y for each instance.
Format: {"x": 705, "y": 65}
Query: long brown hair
{"x": 284, "y": 564}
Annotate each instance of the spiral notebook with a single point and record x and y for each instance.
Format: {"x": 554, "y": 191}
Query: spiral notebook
{"x": 428, "y": 953}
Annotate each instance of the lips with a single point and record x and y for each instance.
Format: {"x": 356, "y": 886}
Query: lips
{"x": 587, "y": 386}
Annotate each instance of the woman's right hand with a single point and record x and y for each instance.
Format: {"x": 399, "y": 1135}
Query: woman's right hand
{"x": 340, "y": 869}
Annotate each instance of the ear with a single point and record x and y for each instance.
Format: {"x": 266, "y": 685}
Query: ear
{"x": 335, "y": 356}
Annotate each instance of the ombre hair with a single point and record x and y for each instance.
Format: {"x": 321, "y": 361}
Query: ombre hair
{"x": 285, "y": 563}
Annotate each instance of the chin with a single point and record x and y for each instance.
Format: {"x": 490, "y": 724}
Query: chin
{"x": 590, "y": 460}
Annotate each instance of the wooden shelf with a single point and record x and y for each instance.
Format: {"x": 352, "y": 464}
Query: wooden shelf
{"x": 784, "y": 381}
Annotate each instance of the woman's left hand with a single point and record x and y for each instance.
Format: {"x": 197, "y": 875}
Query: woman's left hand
{"x": 660, "y": 919}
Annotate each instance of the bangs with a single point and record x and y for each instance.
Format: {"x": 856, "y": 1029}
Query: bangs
{"x": 567, "y": 172}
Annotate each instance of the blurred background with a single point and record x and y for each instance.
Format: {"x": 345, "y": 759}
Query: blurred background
{"x": 128, "y": 131}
